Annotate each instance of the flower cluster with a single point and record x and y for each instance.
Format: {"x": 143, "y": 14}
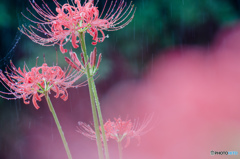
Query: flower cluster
{"x": 37, "y": 81}
{"x": 71, "y": 20}
{"x": 117, "y": 129}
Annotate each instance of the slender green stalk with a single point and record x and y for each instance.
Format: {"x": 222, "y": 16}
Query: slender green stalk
{"x": 100, "y": 118}
{"x": 120, "y": 149}
{"x": 95, "y": 117}
{"x": 58, "y": 125}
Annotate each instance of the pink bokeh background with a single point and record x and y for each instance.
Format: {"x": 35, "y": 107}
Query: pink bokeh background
{"x": 193, "y": 92}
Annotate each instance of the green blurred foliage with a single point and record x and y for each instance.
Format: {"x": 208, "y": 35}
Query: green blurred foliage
{"x": 5, "y": 18}
{"x": 164, "y": 23}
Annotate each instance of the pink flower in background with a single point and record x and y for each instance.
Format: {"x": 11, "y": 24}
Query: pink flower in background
{"x": 33, "y": 83}
{"x": 118, "y": 129}
{"x": 70, "y": 20}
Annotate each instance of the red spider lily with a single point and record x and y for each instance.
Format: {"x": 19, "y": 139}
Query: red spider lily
{"x": 70, "y": 20}
{"x": 75, "y": 63}
{"x": 117, "y": 129}
{"x": 37, "y": 81}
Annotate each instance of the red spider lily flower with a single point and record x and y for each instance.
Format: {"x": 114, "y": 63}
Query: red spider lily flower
{"x": 75, "y": 63}
{"x": 70, "y": 20}
{"x": 117, "y": 129}
{"x": 37, "y": 81}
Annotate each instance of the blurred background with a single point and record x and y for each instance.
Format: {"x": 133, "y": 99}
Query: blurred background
{"x": 178, "y": 59}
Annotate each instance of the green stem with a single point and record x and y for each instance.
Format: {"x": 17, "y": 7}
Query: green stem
{"x": 94, "y": 112}
{"x": 58, "y": 125}
{"x": 120, "y": 149}
{"x": 100, "y": 118}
